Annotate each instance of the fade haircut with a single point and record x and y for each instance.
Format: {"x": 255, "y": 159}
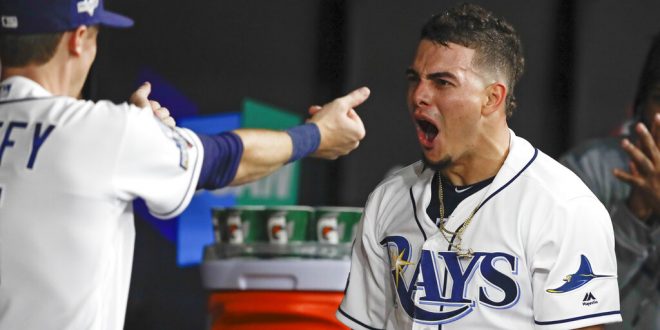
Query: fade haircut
{"x": 20, "y": 50}
{"x": 497, "y": 45}
{"x": 649, "y": 78}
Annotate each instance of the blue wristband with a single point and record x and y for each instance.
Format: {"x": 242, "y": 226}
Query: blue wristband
{"x": 305, "y": 138}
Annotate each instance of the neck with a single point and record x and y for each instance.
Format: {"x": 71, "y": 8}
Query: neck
{"x": 54, "y": 78}
{"x": 484, "y": 161}
{"x": 61, "y": 75}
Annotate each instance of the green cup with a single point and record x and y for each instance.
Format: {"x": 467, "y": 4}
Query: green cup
{"x": 288, "y": 224}
{"x": 240, "y": 224}
{"x": 336, "y": 224}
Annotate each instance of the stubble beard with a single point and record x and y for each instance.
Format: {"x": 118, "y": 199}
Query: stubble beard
{"x": 438, "y": 165}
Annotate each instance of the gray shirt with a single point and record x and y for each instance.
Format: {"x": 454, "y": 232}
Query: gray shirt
{"x": 637, "y": 242}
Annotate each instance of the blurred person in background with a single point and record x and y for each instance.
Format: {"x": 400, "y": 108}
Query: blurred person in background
{"x": 624, "y": 173}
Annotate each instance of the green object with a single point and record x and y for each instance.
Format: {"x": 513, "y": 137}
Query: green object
{"x": 288, "y": 224}
{"x": 240, "y": 224}
{"x": 335, "y": 224}
{"x": 281, "y": 187}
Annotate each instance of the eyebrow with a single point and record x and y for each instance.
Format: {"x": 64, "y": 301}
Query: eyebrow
{"x": 432, "y": 76}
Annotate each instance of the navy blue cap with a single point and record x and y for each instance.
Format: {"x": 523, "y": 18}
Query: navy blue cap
{"x": 49, "y": 16}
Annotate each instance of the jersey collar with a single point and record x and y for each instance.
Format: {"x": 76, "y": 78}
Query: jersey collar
{"x": 521, "y": 155}
{"x": 18, "y": 87}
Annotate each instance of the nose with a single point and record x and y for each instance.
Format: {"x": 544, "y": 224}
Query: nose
{"x": 420, "y": 93}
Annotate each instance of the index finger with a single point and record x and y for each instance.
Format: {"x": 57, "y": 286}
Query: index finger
{"x": 356, "y": 97}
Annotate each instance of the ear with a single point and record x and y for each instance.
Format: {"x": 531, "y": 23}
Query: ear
{"x": 77, "y": 39}
{"x": 495, "y": 97}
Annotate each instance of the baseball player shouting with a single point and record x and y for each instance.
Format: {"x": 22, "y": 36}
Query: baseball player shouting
{"x": 487, "y": 232}
{"x": 69, "y": 168}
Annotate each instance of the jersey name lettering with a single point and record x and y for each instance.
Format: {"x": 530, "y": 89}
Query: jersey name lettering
{"x": 428, "y": 282}
{"x": 38, "y": 138}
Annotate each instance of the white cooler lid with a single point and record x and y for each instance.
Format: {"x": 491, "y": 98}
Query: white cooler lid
{"x": 275, "y": 274}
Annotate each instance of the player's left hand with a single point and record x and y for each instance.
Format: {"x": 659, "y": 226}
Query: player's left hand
{"x": 140, "y": 98}
{"x": 644, "y": 176}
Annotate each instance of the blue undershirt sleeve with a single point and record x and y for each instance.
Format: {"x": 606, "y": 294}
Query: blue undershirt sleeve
{"x": 222, "y": 155}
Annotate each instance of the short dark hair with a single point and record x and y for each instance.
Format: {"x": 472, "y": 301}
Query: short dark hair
{"x": 18, "y": 50}
{"x": 649, "y": 78}
{"x": 495, "y": 41}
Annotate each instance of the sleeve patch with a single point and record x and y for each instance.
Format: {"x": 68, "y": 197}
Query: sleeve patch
{"x": 183, "y": 145}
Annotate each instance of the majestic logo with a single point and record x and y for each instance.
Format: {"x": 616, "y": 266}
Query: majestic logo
{"x": 589, "y": 299}
{"x": 87, "y": 6}
{"x": 583, "y": 275}
{"x": 437, "y": 292}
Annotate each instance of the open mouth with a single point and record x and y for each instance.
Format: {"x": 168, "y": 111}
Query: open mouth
{"x": 426, "y": 132}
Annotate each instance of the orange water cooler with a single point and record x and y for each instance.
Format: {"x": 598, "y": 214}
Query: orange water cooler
{"x": 277, "y": 293}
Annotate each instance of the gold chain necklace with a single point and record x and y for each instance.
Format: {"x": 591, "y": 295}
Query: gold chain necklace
{"x": 462, "y": 253}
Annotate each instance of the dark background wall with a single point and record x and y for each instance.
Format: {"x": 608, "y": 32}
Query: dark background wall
{"x": 582, "y": 63}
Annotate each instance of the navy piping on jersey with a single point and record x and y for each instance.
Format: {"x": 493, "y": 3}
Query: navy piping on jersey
{"x": 412, "y": 199}
{"x": 577, "y": 318}
{"x": 192, "y": 177}
{"x": 356, "y": 321}
{"x": 536, "y": 152}
{"x": 30, "y": 99}
{"x": 348, "y": 279}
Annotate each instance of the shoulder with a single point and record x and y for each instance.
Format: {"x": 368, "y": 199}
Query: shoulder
{"x": 392, "y": 195}
{"x": 399, "y": 180}
{"x": 68, "y": 109}
{"x": 539, "y": 178}
{"x": 555, "y": 192}
{"x": 551, "y": 178}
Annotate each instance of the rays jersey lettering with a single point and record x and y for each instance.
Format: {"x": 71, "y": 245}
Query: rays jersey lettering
{"x": 39, "y": 133}
{"x": 430, "y": 288}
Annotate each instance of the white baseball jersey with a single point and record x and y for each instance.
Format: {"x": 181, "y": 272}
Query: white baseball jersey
{"x": 543, "y": 254}
{"x": 69, "y": 170}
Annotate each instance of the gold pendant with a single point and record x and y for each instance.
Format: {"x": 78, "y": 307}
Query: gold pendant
{"x": 465, "y": 253}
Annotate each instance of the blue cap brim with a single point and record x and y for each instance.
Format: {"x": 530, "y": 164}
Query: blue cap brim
{"x": 108, "y": 18}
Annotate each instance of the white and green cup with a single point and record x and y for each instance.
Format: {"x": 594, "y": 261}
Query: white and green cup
{"x": 240, "y": 224}
{"x": 336, "y": 224}
{"x": 288, "y": 224}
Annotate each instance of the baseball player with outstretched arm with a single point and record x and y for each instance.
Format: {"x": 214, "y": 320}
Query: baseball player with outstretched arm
{"x": 487, "y": 232}
{"x": 70, "y": 168}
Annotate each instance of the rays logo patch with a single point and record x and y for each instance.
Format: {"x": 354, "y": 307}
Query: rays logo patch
{"x": 573, "y": 281}
{"x": 182, "y": 144}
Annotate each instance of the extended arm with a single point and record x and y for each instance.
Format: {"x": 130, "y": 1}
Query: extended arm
{"x": 338, "y": 132}
{"x": 264, "y": 151}
{"x": 246, "y": 155}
